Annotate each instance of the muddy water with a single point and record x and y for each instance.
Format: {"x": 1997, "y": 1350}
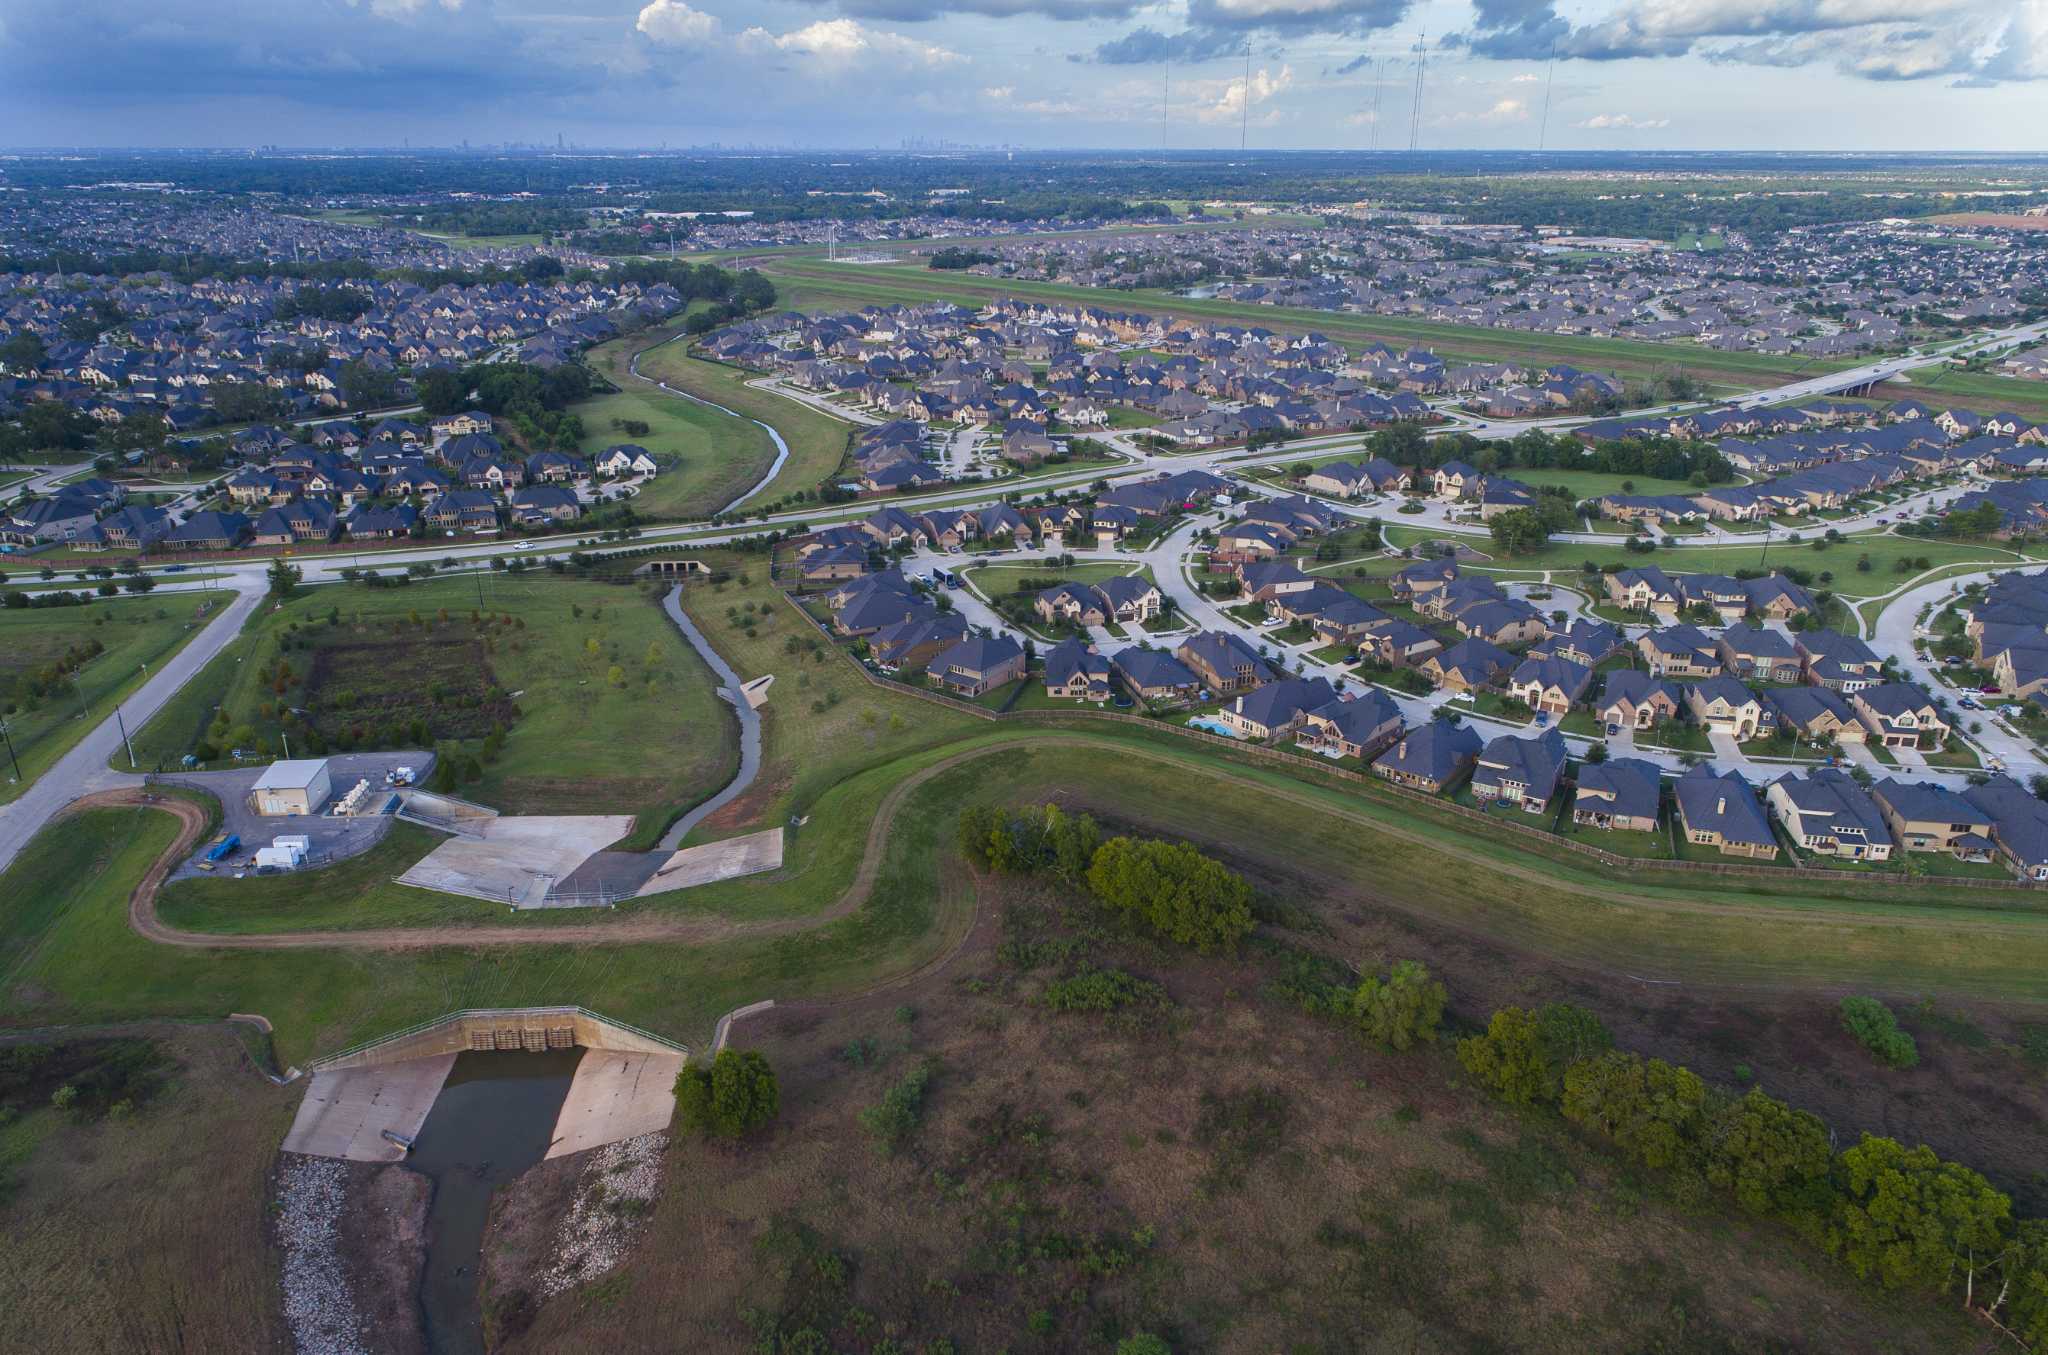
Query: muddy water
{"x": 494, "y": 1118}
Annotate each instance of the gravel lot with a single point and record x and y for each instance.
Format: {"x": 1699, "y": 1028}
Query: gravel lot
{"x": 318, "y": 1306}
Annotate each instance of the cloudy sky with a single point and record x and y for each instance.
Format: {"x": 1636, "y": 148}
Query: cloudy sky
{"x": 1679, "y": 74}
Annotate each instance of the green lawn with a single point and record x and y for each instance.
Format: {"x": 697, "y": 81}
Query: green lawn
{"x": 1837, "y": 558}
{"x": 652, "y": 744}
{"x": 66, "y": 953}
{"x": 817, "y": 442}
{"x": 717, "y": 456}
{"x": 132, "y": 631}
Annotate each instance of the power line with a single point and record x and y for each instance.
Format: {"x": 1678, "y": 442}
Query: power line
{"x": 1244, "y": 125}
{"x": 1549, "y": 78}
{"x": 1165, "y": 102}
{"x": 1415, "y": 110}
{"x": 1379, "y": 89}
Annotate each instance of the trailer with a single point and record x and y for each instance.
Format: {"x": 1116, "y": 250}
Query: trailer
{"x": 222, "y": 849}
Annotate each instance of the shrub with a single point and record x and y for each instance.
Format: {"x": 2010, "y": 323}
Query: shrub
{"x": 1100, "y": 990}
{"x": 734, "y": 1097}
{"x": 894, "y": 1118}
{"x": 1877, "y": 1030}
{"x": 1181, "y": 894}
{"x": 1398, "y": 1011}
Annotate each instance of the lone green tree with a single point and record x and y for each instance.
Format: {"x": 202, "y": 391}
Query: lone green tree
{"x": 1181, "y": 894}
{"x": 284, "y": 578}
{"x": 1401, "y": 1010}
{"x": 734, "y": 1097}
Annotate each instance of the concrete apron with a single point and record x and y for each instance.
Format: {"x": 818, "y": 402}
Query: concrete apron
{"x": 624, "y": 1085}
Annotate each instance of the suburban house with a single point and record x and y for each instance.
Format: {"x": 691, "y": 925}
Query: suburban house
{"x": 1276, "y": 708}
{"x": 1553, "y": 685}
{"x": 1507, "y": 621}
{"x": 1222, "y": 661}
{"x": 1357, "y": 728}
{"x": 1619, "y": 793}
{"x": 1344, "y": 621}
{"x": 1926, "y": 816}
{"x": 1635, "y": 700}
{"x": 2020, "y": 822}
{"x": 1899, "y": 714}
{"x": 624, "y": 459}
{"x": 1414, "y": 583}
{"x": 1074, "y": 670}
{"x": 208, "y": 531}
{"x": 1521, "y": 771}
{"x": 1827, "y": 813}
{"x": 917, "y": 639}
{"x": 1469, "y": 665}
{"x": 1132, "y": 599}
{"x": 1154, "y": 675}
{"x": 1680, "y": 652}
{"x": 1398, "y": 644}
{"x": 1457, "y": 480}
{"x": 1584, "y": 641}
{"x": 1838, "y": 662}
{"x": 1816, "y": 714}
{"x": 1074, "y": 604}
{"x": 1722, "y": 705}
{"x": 1719, "y": 810}
{"x": 1431, "y": 758}
{"x": 1648, "y": 590}
{"x": 1759, "y": 655}
{"x": 977, "y": 664}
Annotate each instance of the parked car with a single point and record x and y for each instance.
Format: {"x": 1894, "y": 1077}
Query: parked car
{"x": 1969, "y": 703}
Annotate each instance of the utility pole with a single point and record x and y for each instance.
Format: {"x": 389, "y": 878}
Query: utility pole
{"x": 122, "y": 725}
{"x": 7, "y": 733}
{"x": 80, "y": 692}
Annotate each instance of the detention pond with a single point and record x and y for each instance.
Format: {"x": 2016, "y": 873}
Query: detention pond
{"x": 494, "y": 1118}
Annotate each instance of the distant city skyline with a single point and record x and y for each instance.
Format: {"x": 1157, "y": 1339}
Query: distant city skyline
{"x": 1818, "y": 75}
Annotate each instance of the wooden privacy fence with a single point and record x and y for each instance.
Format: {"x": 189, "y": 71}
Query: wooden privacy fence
{"x": 1385, "y": 790}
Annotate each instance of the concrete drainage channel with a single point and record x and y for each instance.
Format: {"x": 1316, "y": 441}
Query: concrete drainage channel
{"x": 471, "y": 1101}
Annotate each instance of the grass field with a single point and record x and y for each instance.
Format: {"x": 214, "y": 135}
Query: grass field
{"x": 820, "y": 283}
{"x": 652, "y": 743}
{"x": 148, "y": 1232}
{"x": 817, "y": 442}
{"x": 1837, "y": 558}
{"x": 722, "y": 456}
{"x": 134, "y": 631}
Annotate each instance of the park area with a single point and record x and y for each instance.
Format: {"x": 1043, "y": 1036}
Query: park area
{"x": 571, "y": 695}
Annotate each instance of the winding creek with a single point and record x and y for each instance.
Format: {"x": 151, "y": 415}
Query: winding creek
{"x": 781, "y": 447}
{"x": 749, "y": 718}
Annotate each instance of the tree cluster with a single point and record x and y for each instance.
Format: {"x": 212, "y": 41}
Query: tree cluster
{"x": 1168, "y": 887}
{"x": 735, "y": 1096}
{"x": 1903, "y": 1217}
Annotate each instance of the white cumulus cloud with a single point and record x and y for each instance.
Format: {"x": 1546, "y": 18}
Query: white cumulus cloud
{"x": 674, "y": 24}
{"x": 844, "y": 43}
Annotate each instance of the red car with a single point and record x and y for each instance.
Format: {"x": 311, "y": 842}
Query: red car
{"x": 1988, "y": 689}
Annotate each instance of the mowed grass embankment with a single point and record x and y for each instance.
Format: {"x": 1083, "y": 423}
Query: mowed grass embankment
{"x": 719, "y": 456}
{"x": 818, "y": 283}
{"x": 615, "y": 712}
{"x": 134, "y": 633}
{"x": 817, "y": 442}
{"x": 63, "y": 906}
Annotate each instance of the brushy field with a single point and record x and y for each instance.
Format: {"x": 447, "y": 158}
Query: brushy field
{"x": 1208, "y": 1164}
{"x": 147, "y": 1232}
{"x": 615, "y": 712}
{"x": 132, "y": 632}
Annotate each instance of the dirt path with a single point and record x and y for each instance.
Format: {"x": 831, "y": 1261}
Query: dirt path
{"x": 142, "y": 914}
{"x": 143, "y": 917}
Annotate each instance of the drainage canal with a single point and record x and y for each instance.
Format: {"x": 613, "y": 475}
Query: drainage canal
{"x": 494, "y": 1118}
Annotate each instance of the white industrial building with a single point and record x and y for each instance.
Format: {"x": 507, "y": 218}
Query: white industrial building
{"x": 294, "y": 786}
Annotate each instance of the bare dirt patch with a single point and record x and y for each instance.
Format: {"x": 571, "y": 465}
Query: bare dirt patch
{"x": 384, "y": 1245}
{"x": 374, "y": 690}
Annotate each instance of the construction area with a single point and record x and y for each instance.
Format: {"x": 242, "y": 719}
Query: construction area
{"x": 337, "y": 807}
{"x": 368, "y": 1104}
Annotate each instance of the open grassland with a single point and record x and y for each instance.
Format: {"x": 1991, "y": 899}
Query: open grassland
{"x": 1838, "y": 558}
{"x": 147, "y": 1232}
{"x": 614, "y": 712}
{"x": 720, "y": 456}
{"x": 134, "y": 633}
{"x": 825, "y": 283}
{"x": 817, "y": 442}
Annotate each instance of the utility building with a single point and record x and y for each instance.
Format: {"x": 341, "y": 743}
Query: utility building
{"x": 295, "y": 786}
